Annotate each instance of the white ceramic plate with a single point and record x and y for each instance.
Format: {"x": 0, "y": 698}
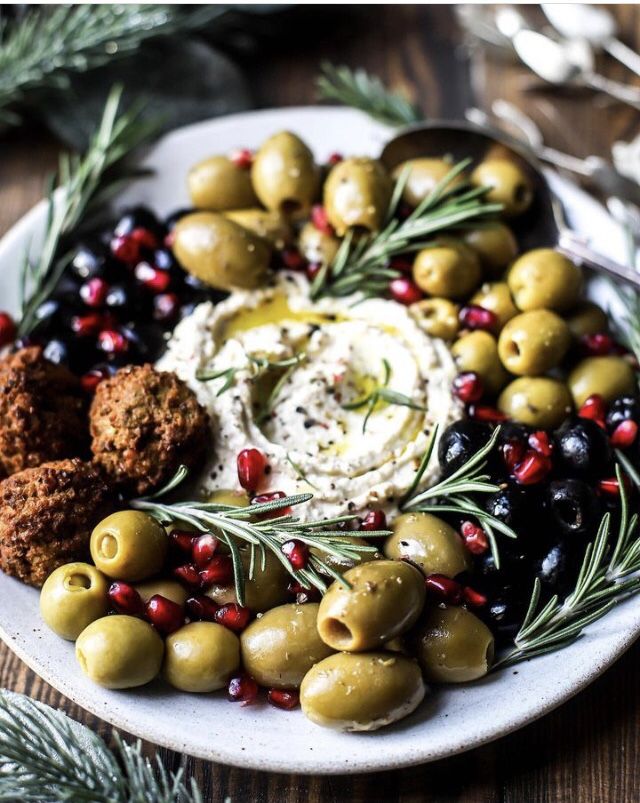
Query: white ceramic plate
{"x": 452, "y": 719}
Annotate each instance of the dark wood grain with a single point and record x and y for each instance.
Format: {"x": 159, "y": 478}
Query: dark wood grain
{"x": 589, "y": 749}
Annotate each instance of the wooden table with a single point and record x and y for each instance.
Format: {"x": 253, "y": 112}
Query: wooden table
{"x": 589, "y": 749}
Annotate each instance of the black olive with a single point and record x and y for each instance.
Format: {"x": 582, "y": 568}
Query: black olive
{"x": 622, "y": 409}
{"x": 510, "y": 505}
{"x": 584, "y": 447}
{"x": 89, "y": 260}
{"x": 163, "y": 259}
{"x": 574, "y": 507}
{"x": 138, "y": 217}
{"x": 556, "y": 570}
{"x": 459, "y": 442}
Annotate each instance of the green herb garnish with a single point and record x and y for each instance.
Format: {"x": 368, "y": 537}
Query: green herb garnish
{"x": 262, "y": 366}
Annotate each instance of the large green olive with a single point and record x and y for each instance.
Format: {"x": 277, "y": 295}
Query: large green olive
{"x": 536, "y": 400}
{"x": 341, "y": 564}
{"x": 587, "y": 319}
{"x": 119, "y": 652}
{"x": 385, "y": 599}
{"x": 281, "y": 646}
{"x": 317, "y": 247}
{"x": 269, "y": 225}
{"x": 170, "y": 589}
{"x": 217, "y": 184}
{"x": 609, "y": 377}
{"x": 129, "y": 545}
{"x": 496, "y": 297}
{"x": 448, "y": 269}
{"x": 478, "y": 352}
{"x": 496, "y": 246}
{"x": 361, "y": 692}
{"x": 265, "y": 589}
{"x": 201, "y": 657}
{"x": 543, "y": 278}
{"x": 73, "y": 596}
{"x": 533, "y": 342}
{"x": 220, "y": 252}
{"x": 453, "y": 646}
{"x": 428, "y": 542}
{"x": 357, "y": 194}
{"x": 424, "y": 175}
{"x": 509, "y": 185}
{"x": 437, "y": 317}
{"x": 284, "y": 174}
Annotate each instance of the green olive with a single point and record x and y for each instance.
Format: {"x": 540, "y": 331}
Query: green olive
{"x": 533, "y": 342}
{"x": 265, "y": 589}
{"x": 496, "y": 297}
{"x": 536, "y": 400}
{"x": 224, "y": 496}
{"x": 437, "y": 317}
{"x": 496, "y": 246}
{"x": 385, "y": 599}
{"x": 453, "y": 646}
{"x": 170, "y": 589}
{"x": 219, "y": 252}
{"x": 357, "y": 194}
{"x": 281, "y": 646}
{"x": 478, "y": 352}
{"x": 217, "y": 184}
{"x": 508, "y": 184}
{"x": 73, "y": 596}
{"x": 587, "y": 319}
{"x": 448, "y": 269}
{"x": 423, "y": 177}
{"x": 316, "y": 246}
{"x": 284, "y": 174}
{"x": 129, "y": 545}
{"x": 543, "y": 278}
{"x": 201, "y": 657}
{"x": 119, "y": 652}
{"x": 271, "y": 226}
{"x": 428, "y": 542}
{"x": 609, "y": 377}
{"x": 341, "y": 564}
{"x": 361, "y": 692}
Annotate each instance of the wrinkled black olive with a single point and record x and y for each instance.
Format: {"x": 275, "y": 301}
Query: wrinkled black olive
{"x": 459, "y": 442}
{"x": 574, "y": 507}
{"x": 584, "y": 447}
{"x": 622, "y": 409}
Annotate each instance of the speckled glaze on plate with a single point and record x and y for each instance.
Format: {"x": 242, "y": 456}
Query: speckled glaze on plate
{"x": 450, "y": 720}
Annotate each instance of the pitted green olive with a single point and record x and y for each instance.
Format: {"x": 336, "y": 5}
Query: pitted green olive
{"x": 201, "y": 657}
{"x": 73, "y": 596}
{"x": 448, "y": 269}
{"x": 609, "y": 377}
{"x": 129, "y": 545}
{"x": 316, "y": 246}
{"x": 478, "y": 352}
{"x": 453, "y": 646}
{"x": 217, "y": 184}
{"x": 265, "y": 589}
{"x": 437, "y": 317}
{"x": 423, "y": 177}
{"x": 357, "y": 194}
{"x": 428, "y": 542}
{"x": 361, "y": 692}
{"x": 341, "y": 564}
{"x": 496, "y": 297}
{"x": 119, "y": 652}
{"x": 219, "y": 252}
{"x": 284, "y": 174}
{"x": 587, "y": 319}
{"x": 543, "y": 278}
{"x": 496, "y": 246}
{"x": 170, "y": 589}
{"x": 533, "y": 342}
{"x": 536, "y": 400}
{"x": 269, "y": 225}
{"x": 509, "y": 185}
{"x": 280, "y": 647}
{"x": 384, "y": 601}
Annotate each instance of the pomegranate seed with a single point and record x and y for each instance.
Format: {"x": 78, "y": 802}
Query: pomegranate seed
{"x": 251, "y": 467}
{"x": 188, "y": 574}
{"x": 374, "y": 520}
{"x": 481, "y": 412}
{"x": 594, "y": 407}
{"x": 513, "y": 453}
{"x": 270, "y": 497}
{"x": 219, "y": 571}
{"x": 624, "y": 434}
{"x": 611, "y": 486}
{"x": 165, "y": 306}
{"x": 313, "y": 269}
{"x": 402, "y": 264}
{"x": 335, "y": 158}
{"x": 93, "y": 378}
{"x": 296, "y": 552}
{"x": 468, "y": 387}
{"x": 157, "y": 281}
{"x": 404, "y": 291}
{"x": 242, "y": 158}
{"x": 320, "y": 219}
{"x": 303, "y": 594}
{"x": 164, "y": 614}
{"x": 540, "y": 442}
{"x": 474, "y": 537}
{"x": 145, "y": 238}
{"x": 203, "y": 549}
{"x": 287, "y": 699}
{"x": 443, "y": 588}
{"x": 125, "y": 248}
{"x": 94, "y": 292}
{"x": 7, "y": 329}
{"x": 598, "y": 345}
{"x": 233, "y": 616}
{"x": 125, "y": 598}
{"x": 202, "y": 608}
{"x": 476, "y": 317}
{"x": 87, "y": 325}
{"x": 293, "y": 259}
{"x": 473, "y": 598}
{"x": 533, "y": 468}
{"x": 242, "y": 689}
{"x": 183, "y": 540}
{"x": 112, "y": 342}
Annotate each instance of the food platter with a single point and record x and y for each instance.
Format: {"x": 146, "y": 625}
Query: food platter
{"x": 452, "y": 719}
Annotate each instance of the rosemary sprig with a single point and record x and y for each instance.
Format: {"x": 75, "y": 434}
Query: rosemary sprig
{"x": 362, "y": 91}
{"x": 262, "y": 366}
{"x": 83, "y": 184}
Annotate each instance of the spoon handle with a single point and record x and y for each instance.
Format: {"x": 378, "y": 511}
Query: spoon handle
{"x": 624, "y": 54}
{"x": 572, "y": 246}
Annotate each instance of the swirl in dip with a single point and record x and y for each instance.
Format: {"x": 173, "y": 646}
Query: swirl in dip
{"x": 308, "y": 417}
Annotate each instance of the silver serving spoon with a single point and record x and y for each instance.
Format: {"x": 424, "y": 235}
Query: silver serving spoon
{"x": 543, "y": 224}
